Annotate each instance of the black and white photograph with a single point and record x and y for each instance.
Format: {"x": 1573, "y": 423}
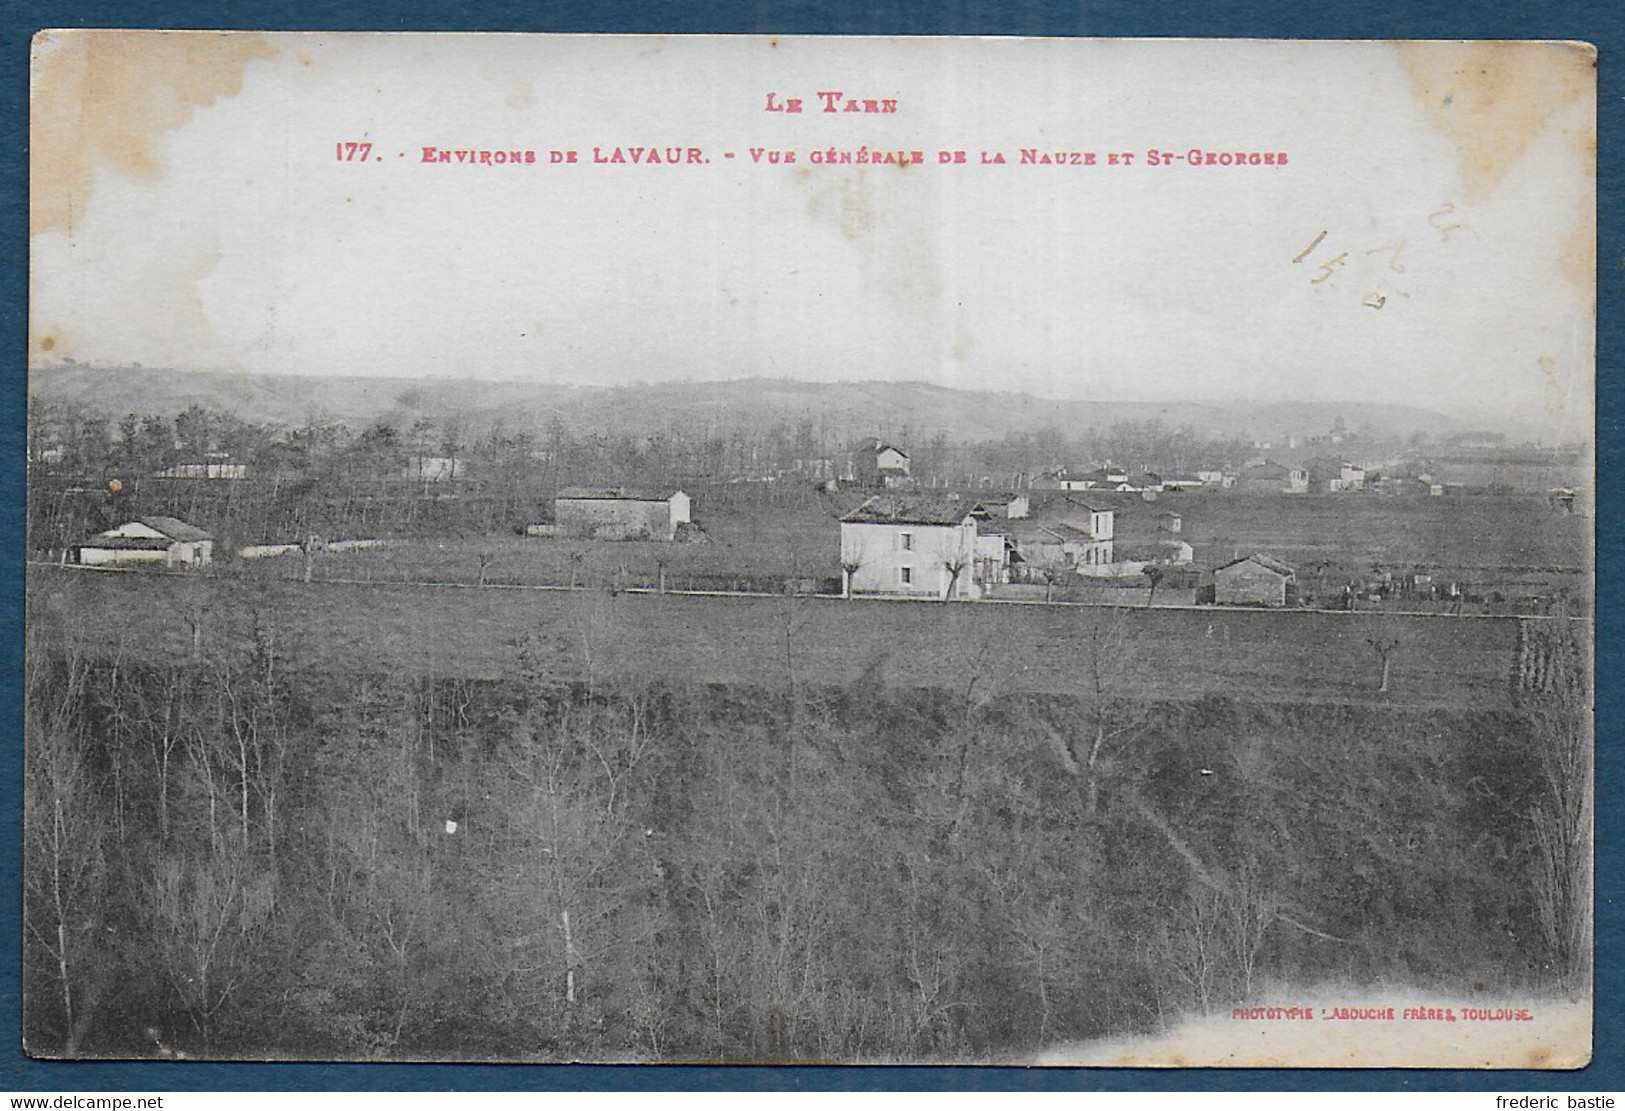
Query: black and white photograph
{"x": 809, "y": 550}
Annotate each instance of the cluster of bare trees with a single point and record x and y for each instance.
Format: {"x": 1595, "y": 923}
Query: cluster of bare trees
{"x": 455, "y": 475}
{"x": 229, "y": 855}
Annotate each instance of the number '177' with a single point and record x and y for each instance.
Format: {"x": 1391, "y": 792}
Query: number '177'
{"x": 353, "y": 152}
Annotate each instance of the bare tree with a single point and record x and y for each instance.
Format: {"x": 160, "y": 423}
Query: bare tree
{"x": 853, "y": 557}
{"x": 1384, "y": 643}
{"x": 63, "y": 840}
{"x": 955, "y": 565}
{"x": 309, "y": 548}
{"x": 1112, "y": 720}
{"x": 206, "y": 917}
{"x": 1562, "y": 812}
{"x": 1154, "y": 576}
{"x": 955, "y": 557}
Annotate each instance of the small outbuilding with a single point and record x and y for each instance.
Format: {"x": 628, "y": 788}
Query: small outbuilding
{"x": 1254, "y": 580}
{"x": 149, "y": 540}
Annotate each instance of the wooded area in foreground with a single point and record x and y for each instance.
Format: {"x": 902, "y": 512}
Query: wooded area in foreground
{"x": 229, "y": 857}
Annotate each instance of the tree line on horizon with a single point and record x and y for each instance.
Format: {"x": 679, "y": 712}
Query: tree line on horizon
{"x": 89, "y": 472}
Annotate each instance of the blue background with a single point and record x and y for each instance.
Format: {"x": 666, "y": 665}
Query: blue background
{"x": 1600, "y": 23}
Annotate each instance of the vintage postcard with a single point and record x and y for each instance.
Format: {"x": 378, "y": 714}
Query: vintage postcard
{"x": 746, "y": 549}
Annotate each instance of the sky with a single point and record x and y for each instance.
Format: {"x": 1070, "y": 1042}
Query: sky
{"x": 1429, "y": 239}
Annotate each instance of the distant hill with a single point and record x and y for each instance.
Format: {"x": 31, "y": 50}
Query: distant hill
{"x": 916, "y": 409}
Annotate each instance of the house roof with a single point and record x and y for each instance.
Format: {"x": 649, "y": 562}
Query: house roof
{"x": 1268, "y": 562}
{"x": 875, "y": 445}
{"x": 1093, "y": 507}
{"x": 175, "y": 528}
{"x": 581, "y": 493}
{"x": 886, "y": 509}
{"x": 1037, "y": 534}
{"x": 1094, "y": 475}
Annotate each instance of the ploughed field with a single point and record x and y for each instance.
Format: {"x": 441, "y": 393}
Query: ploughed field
{"x": 594, "y": 634}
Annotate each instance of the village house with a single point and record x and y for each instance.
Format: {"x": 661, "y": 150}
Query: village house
{"x": 1134, "y": 557}
{"x": 1090, "y": 528}
{"x": 1041, "y": 552}
{"x": 149, "y": 540}
{"x": 1090, "y": 477}
{"x": 1272, "y": 478}
{"x": 1057, "y": 480}
{"x": 879, "y": 464}
{"x": 1254, "y": 580}
{"x": 1334, "y": 476}
{"x": 993, "y": 550}
{"x": 618, "y": 514}
{"x": 1175, "y": 552}
{"x": 910, "y": 546}
{"x": 1010, "y": 507}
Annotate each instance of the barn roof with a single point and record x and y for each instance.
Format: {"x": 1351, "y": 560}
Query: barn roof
{"x": 129, "y": 543}
{"x": 1268, "y": 562}
{"x": 884, "y": 509}
{"x": 1269, "y": 470}
{"x": 617, "y": 493}
{"x": 175, "y": 528}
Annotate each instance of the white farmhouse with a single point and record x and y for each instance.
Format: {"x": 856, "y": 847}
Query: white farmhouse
{"x": 919, "y": 547}
{"x": 149, "y": 540}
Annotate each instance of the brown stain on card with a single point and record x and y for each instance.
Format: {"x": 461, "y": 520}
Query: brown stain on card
{"x": 1577, "y": 253}
{"x": 1491, "y": 99}
{"x": 103, "y": 99}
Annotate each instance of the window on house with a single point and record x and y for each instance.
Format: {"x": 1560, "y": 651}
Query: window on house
{"x": 907, "y": 574}
{"x": 908, "y": 541}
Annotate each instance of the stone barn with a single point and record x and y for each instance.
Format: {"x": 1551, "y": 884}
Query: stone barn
{"x": 1255, "y": 580}
{"x": 619, "y": 514}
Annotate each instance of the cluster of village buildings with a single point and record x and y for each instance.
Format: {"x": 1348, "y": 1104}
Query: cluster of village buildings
{"x": 894, "y": 540}
{"x": 899, "y": 537}
{"x": 904, "y": 542}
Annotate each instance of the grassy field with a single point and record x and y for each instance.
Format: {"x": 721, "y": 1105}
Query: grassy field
{"x": 1476, "y": 537}
{"x": 449, "y": 631}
